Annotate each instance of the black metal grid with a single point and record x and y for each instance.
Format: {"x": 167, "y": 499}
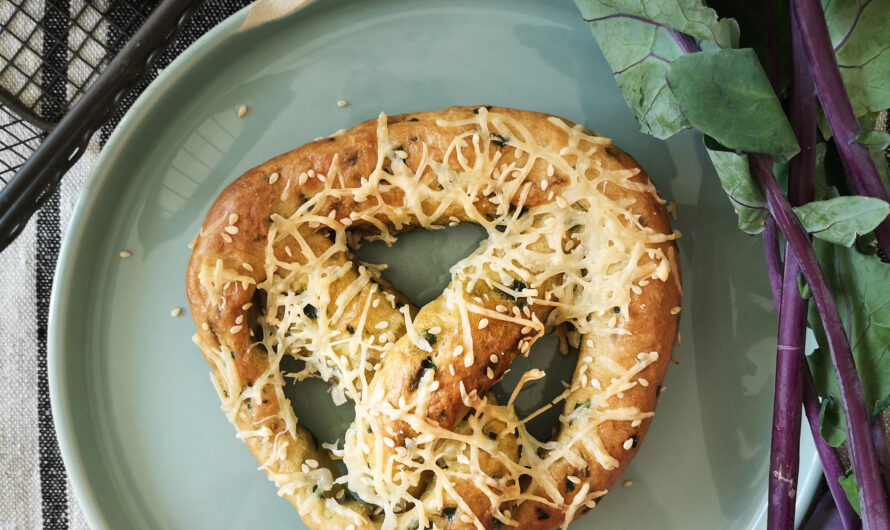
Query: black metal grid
{"x": 35, "y": 94}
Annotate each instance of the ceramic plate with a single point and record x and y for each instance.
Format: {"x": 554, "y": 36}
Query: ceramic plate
{"x": 140, "y": 426}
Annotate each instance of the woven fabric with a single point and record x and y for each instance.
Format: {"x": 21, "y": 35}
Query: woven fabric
{"x": 34, "y": 488}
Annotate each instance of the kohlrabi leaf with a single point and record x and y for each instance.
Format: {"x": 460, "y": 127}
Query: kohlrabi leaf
{"x": 639, "y": 50}
{"x": 851, "y": 490}
{"x": 691, "y": 17}
{"x": 874, "y": 140}
{"x": 860, "y": 285}
{"x": 726, "y": 95}
{"x": 841, "y": 219}
{"x": 766, "y": 27}
{"x": 831, "y": 422}
{"x": 744, "y": 194}
{"x": 861, "y": 41}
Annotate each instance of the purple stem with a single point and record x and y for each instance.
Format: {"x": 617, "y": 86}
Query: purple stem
{"x": 785, "y": 449}
{"x": 770, "y": 237}
{"x": 832, "y": 467}
{"x": 879, "y": 435}
{"x": 686, "y": 43}
{"x": 838, "y": 110}
{"x": 862, "y": 451}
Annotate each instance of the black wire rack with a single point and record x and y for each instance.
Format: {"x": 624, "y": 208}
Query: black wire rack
{"x": 34, "y": 95}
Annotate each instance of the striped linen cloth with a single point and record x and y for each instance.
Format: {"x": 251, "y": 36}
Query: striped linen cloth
{"x": 34, "y": 488}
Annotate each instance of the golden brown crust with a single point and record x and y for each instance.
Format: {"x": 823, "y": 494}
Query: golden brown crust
{"x": 258, "y": 194}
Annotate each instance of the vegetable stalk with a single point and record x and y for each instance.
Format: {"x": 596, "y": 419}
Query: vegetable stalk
{"x": 832, "y": 467}
{"x": 838, "y": 109}
{"x": 862, "y": 452}
{"x": 785, "y": 445}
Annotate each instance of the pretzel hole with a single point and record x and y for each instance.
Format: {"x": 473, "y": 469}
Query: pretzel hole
{"x": 418, "y": 263}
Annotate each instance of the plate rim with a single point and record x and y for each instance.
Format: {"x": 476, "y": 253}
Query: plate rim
{"x": 69, "y": 445}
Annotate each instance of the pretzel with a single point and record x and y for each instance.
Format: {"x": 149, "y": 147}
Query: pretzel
{"x": 578, "y": 244}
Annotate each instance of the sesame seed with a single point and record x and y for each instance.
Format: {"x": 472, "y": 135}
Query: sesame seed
{"x": 494, "y": 358}
{"x": 434, "y": 386}
{"x": 231, "y": 229}
{"x": 483, "y": 323}
{"x": 573, "y": 479}
{"x": 321, "y": 177}
{"x": 675, "y": 310}
{"x": 375, "y": 303}
{"x": 435, "y": 330}
{"x": 273, "y": 178}
{"x": 346, "y": 221}
{"x": 125, "y": 254}
{"x": 382, "y": 337}
{"x": 526, "y": 330}
{"x": 451, "y": 369}
{"x": 561, "y": 202}
{"x": 176, "y": 312}
{"x": 341, "y": 493}
{"x": 389, "y": 443}
{"x": 544, "y": 184}
{"x": 550, "y": 170}
{"x": 304, "y": 468}
{"x": 312, "y": 463}
{"x": 302, "y": 178}
{"x": 401, "y": 154}
{"x": 240, "y": 319}
{"x": 627, "y": 483}
{"x": 382, "y": 325}
{"x": 595, "y": 383}
{"x": 636, "y": 423}
{"x": 247, "y": 266}
{"x": 587, "y": 359}
{"x": 242, "y": 110}
{"x": 247, "y": 306}
{"x": 500, "y": 308}
{"x": 643, "y": 382}
{"x": 205, "y": 326}
{"x": 489, "y": 373}
{"x": 628, "y": 444}
{"x": 311, "y": 173}
{"x": 588, "y": 343}
{"x": 235, "y": 329}
{"x": 459, "y": 350}
{"x": 342, "y": 103}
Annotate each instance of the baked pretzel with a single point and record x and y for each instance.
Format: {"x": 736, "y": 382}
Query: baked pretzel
{"x": 578, "y": 242}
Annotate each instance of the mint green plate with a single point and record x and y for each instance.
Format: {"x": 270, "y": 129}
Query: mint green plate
{"x": 142, "y": 435}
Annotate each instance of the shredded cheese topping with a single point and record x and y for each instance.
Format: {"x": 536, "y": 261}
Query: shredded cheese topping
{"x": 575, "y": 254}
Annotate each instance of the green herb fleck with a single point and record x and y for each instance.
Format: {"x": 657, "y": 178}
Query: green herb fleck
{"x": 350, "y": 329}
{"x": 498, "y": 140}
{"x": 570, "y": 486}
{"x": 449, "y": 512}
{"x": 429, "y": 337}
{"x": 310, "y": 311}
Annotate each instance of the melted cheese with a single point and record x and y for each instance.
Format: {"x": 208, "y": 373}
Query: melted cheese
{"x": 581, "y": 253}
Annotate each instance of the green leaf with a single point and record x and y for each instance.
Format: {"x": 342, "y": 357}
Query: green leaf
{"x": 691, "y": 17}
{"x": 831, "y": 422}
{"x": 860, "y": 285}
{"x": 873, "y": 140}
{"x": 851, "y": 490}
{"x": 862, "y": 46}
{"x": 841, "y": 219}
{"x": 639, "y": 50}
{"x": 744, "y": 194}
{"x": 725, "y": 94}
{"x": 753, "y": 17}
